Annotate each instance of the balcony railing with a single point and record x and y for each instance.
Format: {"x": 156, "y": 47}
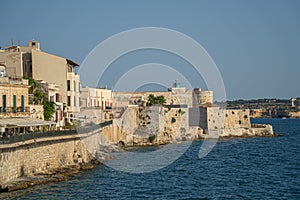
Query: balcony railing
{"x": 19, "y": 109}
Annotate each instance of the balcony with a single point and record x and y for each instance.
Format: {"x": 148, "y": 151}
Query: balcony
{"x": 15, "y": 111}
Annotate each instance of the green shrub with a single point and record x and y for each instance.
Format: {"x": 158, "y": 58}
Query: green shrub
{"x": 49, "y": 109}
{"x": 153, "y": 100}
{"x": 152, "y": 138}
{"x": 68, "y": 125}
{"x": 173, "y": 120}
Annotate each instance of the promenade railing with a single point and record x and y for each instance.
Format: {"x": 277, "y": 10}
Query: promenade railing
{"x": 37, "y": 135}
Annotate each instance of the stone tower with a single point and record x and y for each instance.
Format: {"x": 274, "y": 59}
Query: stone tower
{"x": 202, "y": 97}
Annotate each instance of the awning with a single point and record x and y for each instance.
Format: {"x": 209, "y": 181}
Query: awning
{"x": 23, "y": 122}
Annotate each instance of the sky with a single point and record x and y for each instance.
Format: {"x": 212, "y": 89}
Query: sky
{"x": 255, "y": 44}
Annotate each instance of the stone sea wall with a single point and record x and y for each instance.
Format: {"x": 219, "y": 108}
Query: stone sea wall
{"x": 261, "y": 130}
{"x": 45, "y": 156}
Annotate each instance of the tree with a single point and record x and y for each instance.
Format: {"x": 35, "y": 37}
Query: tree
{"x": 49, "y": 109}
{"x": 152, "y": 100}
{"x": 161, "y": 100}
{"x": 35, "y": 90}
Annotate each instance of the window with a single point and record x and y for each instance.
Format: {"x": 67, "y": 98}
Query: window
{"x": 22, "y": 104}
{"x": 74, "y": 86}
{"x": 24, "y": 66}
{"x": 57, "y": 97}
{"x": 70, "y": 68}
{"x": 52, "y": 98}
{"x": 14, "y": 101}
{"x": 69, "y": 101}
{"x": 69, "y": 85}
{"x": 4, "y": 102}
{"x": 74, "y": 100}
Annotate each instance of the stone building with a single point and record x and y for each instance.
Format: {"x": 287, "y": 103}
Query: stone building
{"x": 203, "y": 97}
{"x": 201, "y": 113}
{"x": 95, "y": 97}
{"x": 96, "y": 104}
{"x": 30, "y": 61}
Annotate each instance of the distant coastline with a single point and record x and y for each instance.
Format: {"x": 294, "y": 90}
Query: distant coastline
{"x": 269, "y": 108}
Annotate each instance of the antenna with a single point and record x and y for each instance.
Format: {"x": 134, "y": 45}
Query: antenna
{"x": 12, "y": 42}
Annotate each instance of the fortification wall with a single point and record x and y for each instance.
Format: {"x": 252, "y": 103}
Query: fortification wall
{"x": 203, "y": 97}
{"x": 237, "y": 118}
{"x": 261, "y": 130}
{"x": 215, "y": 118}
{"x": 124, "y": 99}
{"x": 224, "y": 119}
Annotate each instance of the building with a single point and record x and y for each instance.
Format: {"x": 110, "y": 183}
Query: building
{"x": 293, "y": 102}
{"x": 13, "y": 97}
{"x": 203, "y": 97}
{"x": 95, "y": 97}
{"x": 96, "y": 104}
{"x": 30, "y": 61}
{"x": 51, "y": 91}
{"x": 197, "y": 104}
{"x": 16, "y": 114}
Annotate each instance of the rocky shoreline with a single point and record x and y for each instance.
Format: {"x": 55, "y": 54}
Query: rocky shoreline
{"x": 103, "y": 153}
{"x": 54, "y": 175}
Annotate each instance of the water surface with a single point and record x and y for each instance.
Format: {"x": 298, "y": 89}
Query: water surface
{"x": 251, "y": 168}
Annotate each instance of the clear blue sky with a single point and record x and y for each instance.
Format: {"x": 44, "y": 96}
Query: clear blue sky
{"x": 255, "y": 44}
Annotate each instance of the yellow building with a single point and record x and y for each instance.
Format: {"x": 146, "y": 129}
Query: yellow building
{"x": 13, "y": 97}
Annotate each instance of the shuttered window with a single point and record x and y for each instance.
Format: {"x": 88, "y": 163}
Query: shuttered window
{"x": 22, "y": 103}
{"x": 14, "y": 101}
{"x": 4, "y": 102}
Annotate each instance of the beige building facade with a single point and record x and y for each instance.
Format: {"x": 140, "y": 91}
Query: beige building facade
{"x": 30, "y": 61}
{"x": 96, "y": 97}
{"x": 13, "y": 97}
{"x": 96, "y": 104}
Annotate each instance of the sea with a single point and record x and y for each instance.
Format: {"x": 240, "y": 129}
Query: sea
{"x": 235, "y": 168}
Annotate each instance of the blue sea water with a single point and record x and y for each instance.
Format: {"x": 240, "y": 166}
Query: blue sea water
{"x": 249, "y": 168}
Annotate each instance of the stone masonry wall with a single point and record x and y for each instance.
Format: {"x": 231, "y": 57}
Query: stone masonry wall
{"x": 237, "y": 118}
{"x": 41, "y": 156}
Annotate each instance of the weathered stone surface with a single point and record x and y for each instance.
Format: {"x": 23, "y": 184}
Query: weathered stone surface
{"x": 53, "y": 158}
